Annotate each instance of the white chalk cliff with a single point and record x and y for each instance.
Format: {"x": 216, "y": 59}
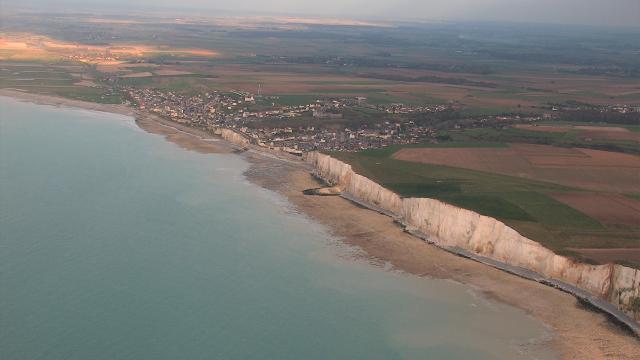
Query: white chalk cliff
{"x": 451, "y": 226}
{"x": 232, "y": 136}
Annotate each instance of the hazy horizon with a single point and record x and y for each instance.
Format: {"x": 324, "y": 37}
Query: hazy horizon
{"x": 578, "y": 12}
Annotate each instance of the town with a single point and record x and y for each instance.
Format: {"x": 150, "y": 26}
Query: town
{"x": 241, "y": 112}
{"x": 320, "y": 125}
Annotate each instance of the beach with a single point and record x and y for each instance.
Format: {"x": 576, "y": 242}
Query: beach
{"x": 578, "y": 333}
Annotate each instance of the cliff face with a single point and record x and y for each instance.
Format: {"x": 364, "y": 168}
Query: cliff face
{"x": 232, "y": 136}
{"x": 450, "y": 226}
{"x": 625, "y": 290}
{"x": 455, "y": 227}
{"x": 372, "y": 193}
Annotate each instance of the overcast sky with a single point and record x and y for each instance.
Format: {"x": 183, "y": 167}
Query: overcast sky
{"x": 596, "y": 12}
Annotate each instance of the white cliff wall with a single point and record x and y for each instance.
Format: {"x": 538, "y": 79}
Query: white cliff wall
{"x": 232, "y": 136}
{"x": 451, "y": 226}
{"x": 338, "y": 173}
{"x": 625, "y": 290}
{"x": 372, "y": 193}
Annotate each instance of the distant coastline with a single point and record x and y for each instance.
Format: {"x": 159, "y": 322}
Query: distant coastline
{"x": 64, "y": 102}
{"x": 184, "y": 136}
{"x": 578, "y": 332}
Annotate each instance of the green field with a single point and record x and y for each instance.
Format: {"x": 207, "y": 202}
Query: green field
{"x": 97, "y": 95}
{"x": 58, "y": 79}
{"x": 515, "y": 135}
{"x": 521, "y": 203}
{"x": 296, "y": 100}
{"x": 634, "y": 128}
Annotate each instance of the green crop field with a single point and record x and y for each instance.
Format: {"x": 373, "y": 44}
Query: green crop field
{"x": 296, "y": 100}
{"x": 59, "y": 79}
{"x": 516, "y": 135}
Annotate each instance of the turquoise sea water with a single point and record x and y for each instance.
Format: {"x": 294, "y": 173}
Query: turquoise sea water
{"x": 115, "y": 244}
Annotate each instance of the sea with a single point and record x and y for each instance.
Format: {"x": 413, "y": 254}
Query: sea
{"x": 116, "y": 244}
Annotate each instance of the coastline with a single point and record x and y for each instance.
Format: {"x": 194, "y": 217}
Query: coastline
{"x": 185, "y": 137}
{"x": 578, "y": 332}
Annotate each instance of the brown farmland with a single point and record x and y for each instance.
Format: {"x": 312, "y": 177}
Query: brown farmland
{"x": 609, "y": 209}
{"x": 582, "y": 168}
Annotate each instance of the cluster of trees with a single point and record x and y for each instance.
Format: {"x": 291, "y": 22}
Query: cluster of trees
{"x": 597, "y": 116}
{"x": 620, "y": 71}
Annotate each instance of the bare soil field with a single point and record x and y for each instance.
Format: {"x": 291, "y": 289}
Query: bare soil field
{"x": 582, "y": 168}
{"x": 580, "y": 158}
{"x": 609, "y": 209}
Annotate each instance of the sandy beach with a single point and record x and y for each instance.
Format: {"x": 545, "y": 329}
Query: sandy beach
{"x": 577, "y": 332}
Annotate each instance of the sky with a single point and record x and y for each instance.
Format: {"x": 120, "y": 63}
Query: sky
{"x": 591, "y": 12}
